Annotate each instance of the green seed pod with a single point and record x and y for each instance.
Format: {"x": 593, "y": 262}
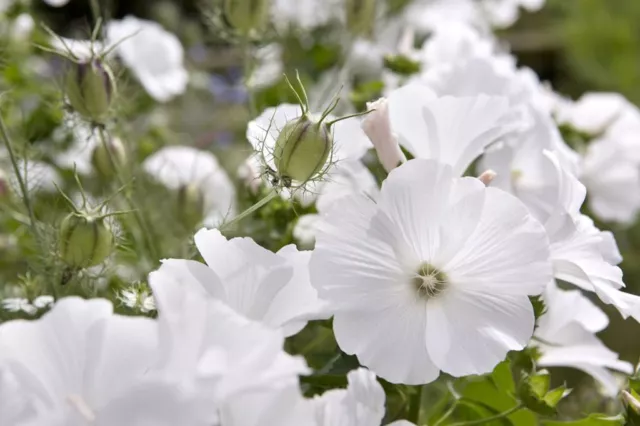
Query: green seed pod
{"x": 190, "y": 205}
{"x": 247, "y": 15}
{"x": 84, "y": 240}
{"x": 302, "y": 149}
{"x": 90, "y": 87}
{"x": 361, "y": 16}
{"x": 109, "y": 157}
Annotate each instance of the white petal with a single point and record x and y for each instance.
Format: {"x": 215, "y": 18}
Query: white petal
{"x": 470, "y": 332}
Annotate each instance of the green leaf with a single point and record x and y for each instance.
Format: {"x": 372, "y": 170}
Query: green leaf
{"x": 401, "y": 65}
{"x": 553, "y": 397}
{"x": 539, "y": 308}
{"x": 592, "y": 420}
{"x": 528, "y": 393}
{"x": 540, "y": 383}
{"x": 474, "y": 410}
{"x": 502, "y": 377}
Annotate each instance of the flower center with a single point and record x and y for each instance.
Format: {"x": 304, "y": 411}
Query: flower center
{"x": 428, "y": 281}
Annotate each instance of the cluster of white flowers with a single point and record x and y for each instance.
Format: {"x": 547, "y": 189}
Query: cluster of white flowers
{"x": 431, "y": 272}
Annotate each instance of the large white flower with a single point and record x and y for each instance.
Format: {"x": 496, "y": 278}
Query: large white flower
{"x": 452, "y": 130}
{"x": 272, "y": 288}
{"x": 179, "y": 167}
{"x": 81, "y": 364}
{"x": 154, "y": 55}
{"x": 566, "y": 337}
{"x": 435, "y": 276}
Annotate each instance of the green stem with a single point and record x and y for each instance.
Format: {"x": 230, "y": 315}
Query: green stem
{"x": 142, "y": 220}
{"x": 250, "y": 210}
{"x": 414, "y": 406}
{"x": 490, "y": 419}
{"x": 248, "y": 68}
{"x": 447, "y": 414}
{"x": 21, "y": 183}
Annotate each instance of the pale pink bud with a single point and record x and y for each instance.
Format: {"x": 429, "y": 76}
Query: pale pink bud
{"x": 377, "y": 127}
{"x": 487, "y": 177}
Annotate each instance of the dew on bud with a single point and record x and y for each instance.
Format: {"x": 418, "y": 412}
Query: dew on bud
{"x": 247, "y": 16}
{"x": 109, "y": 157}
{"x": 90, "y": 87}
{"x": 302, "y": 149}
{"x": 85, "y": 240}
{"x": 190, "y": 205}
{"x": 361, "y": 16}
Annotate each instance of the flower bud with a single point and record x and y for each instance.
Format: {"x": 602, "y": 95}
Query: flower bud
{"x": 302, "y": 149}
{"x": 377, "y": 127}
{"x": 90, "y": 87}
{"x": 109, "y": 157}
{"x": 487, "y": 177}
{"x": 85, "y": 240}
{"x": 190, "y": 205}
{"x": 247, "y": 15}
{"x": 361, "y": 16}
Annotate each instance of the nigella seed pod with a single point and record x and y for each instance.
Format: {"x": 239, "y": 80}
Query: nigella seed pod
{"x": 302, "y": 149}
{"x": 110, "y": 157}
{"x": 85, "y": 240}
{"x": 247, "y": 15}
{"x": 90, "y": 88}
{"x": 190, "y": 205}
{"x": 361, "y": 16}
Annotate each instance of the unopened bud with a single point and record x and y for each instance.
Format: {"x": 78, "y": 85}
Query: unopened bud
{"x": 361, "y": 16}
{"x": 85, "y": 240}
{"x": 90, "y": 87}
{"x": 377, "y": 127}
{"x": 109, "y": 157}
{"x": 247, "y": 15}
{"x": 302, "y": 149}
{"x": 190, "y": 205}
{"x": 487, "y": 177}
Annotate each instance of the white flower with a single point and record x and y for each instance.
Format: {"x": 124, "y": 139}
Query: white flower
{"x": 272, "y": 288}
{"x": 377, "y": 127}
{"x": 207, "y": 345}
{"x": 43, "y": 302}
{"x": 435, "y": 276}
{"x": 36, "y": 175}
{"x": 81, "y": 364}
{"x": 566, "y": 337}
{"x": 56, "y": 3}
{"x": 427, "y": 15}
{"x": 137, "y": 297}
{"x": 593, "y": 113}
{"x": 269, "y": 67}
{"x": 452, "y": 130}
{"x": 304, "y": 14}
{"x": 22, "y": 27}
{"x": 181, "y": 166}
{"x": 155, "y": 56}
{"x": 83, "y": 50}
{"x": 612, "y": 177}
{"x": 361, "y": 404}
{"x": 504, "y": 13}
{"x": 17, "y": 304}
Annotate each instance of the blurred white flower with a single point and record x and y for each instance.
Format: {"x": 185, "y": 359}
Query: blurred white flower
{"x": 43, "y": 302}
{"x": 593, "y": 113}
{"x": 56, "y": 3}
{"x": 306, "y": 229}
{"x": 566, "y": 337}
{"x": 37, "y": 176}
{"x": 80, "y": 49}
{"x": 611, "y": 173}
{"x": 505, "y": 13}
{"x": 138, "y": 297}
{"x": 19, "y": 304}
{"x": 303, "y": 14}
{"x": 269, "y": 67}
{"x": 272, "y": 288}
{"x": 154, "y": 55}
{"x": 22, "y": 27}
{"x": 181, "y": 166}
{"x": 435, "y": 276}
{"x": 452, "y": 130}
{"x": 46, "y": 359}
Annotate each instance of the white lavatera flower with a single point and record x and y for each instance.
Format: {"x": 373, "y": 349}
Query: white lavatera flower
{"x": 452, "y": 130}
{"x": 181, "y": 166}
{"x": 435, "y": 276}
{"x": 581, "y": 254}
{"x": 208, "y": 346}
{"x": 566, "y": 338}
{"x": 272, "y": 288}
{"x": 505, "y": 13}
{"x": 154, "y": 55}
{"x": 80, "y": 364}
{"x": 593, "y": 112}
{"x": 377, "y": 127}
{"x": 611, "y": 172}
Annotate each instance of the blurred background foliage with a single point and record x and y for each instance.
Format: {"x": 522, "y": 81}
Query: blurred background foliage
{"x": 576, "y": 45}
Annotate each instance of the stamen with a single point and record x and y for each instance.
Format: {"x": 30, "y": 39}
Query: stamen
{"x": 428, "y": 281}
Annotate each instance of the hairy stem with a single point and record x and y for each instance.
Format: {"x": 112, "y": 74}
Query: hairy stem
{"x": 250, "y": 210}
